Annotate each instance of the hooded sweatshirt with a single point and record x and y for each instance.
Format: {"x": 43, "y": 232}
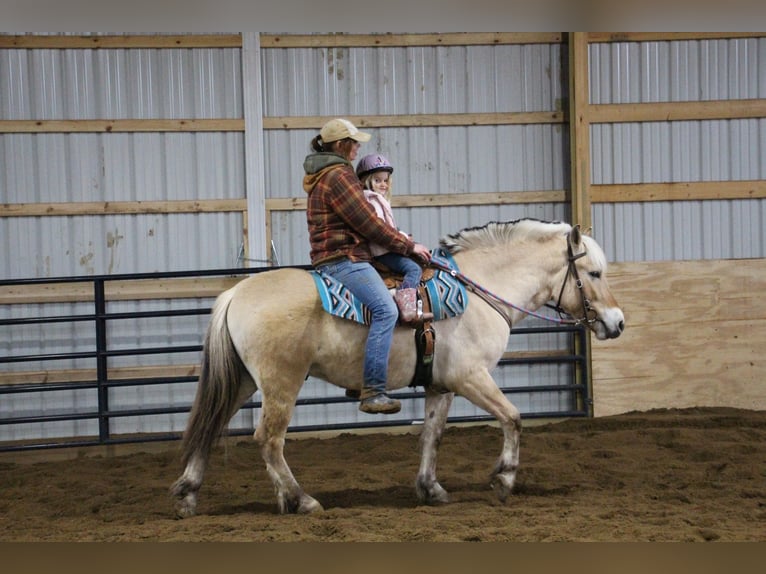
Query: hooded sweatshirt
{"x": 341, "y": 222}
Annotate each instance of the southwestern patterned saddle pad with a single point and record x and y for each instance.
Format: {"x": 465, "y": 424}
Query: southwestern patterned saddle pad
{"x": 447, "y": 296}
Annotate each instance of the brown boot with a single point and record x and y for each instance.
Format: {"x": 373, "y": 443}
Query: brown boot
{"x": 378, "y": 402}
{"x": 407, "y": 301}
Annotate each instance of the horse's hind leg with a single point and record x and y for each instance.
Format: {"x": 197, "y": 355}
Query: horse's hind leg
{"x": 428, "y": 489}
{"x": 279, "y": 396}
{"x": 187, "y": 487}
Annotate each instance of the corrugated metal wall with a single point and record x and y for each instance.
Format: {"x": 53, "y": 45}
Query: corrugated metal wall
{"x": 96, "y": 167}
{"x": 42, "y": 84}
{"x": 86, "y": 84}
{"x": 680, "y": 151}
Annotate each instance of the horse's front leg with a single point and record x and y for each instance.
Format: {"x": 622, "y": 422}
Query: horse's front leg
{"x": 428, "y": 489}
{"x": 481, "y": 389}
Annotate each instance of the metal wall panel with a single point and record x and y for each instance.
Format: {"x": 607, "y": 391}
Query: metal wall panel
{"x": 120, "y": 84}
{"x": 411, "y": 80}
{"x": 694, "y": 151}
{"x": 110, "y": 244}
{"x": 81, "y": 167}
{"x": 109, "y": 84}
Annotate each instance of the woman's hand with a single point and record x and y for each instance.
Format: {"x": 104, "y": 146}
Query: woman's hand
{"x": 422, "y": 252}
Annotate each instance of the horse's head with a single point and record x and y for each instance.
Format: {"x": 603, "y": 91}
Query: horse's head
{"x": 585, "y": 293}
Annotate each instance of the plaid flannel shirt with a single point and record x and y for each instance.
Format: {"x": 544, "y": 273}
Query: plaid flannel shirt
{"x": 341, "y": 222}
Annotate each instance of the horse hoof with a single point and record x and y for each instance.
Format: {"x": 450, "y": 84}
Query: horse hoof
{"x": 502, "y": 485}
{"x": 185, "y": 510}
{"x": 309, "y": 505}
{"x": 305, "y": 504}
{"x": 432, "y": 495}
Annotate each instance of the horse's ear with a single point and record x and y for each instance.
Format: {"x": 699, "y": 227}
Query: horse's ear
{"x": 575, "y": 236}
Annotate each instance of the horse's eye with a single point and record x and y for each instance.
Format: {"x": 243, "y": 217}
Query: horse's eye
{"x": 595, "y": 274}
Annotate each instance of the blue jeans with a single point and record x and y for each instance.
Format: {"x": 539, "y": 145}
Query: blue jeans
{"x": 365, "y": 283}
{"x": 411, "y": 271}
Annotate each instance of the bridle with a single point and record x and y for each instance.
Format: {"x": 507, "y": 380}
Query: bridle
{"x": 574, "y": 274}
{"x": 501, "y": 305}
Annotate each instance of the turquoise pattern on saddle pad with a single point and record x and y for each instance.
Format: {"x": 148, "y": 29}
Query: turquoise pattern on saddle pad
{"x": 338, "y": 301}
{"x": 447, "y": 295}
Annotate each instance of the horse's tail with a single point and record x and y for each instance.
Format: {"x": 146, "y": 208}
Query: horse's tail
{"x": 219, "y": 382}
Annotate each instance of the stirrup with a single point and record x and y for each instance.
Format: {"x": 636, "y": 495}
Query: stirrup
{"x": 418, "y": 321}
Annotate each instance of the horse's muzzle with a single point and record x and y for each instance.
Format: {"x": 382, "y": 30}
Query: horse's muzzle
{"x": 610, "y": 325}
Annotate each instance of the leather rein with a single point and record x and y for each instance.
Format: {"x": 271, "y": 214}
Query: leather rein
{"x": 501, "y": 305}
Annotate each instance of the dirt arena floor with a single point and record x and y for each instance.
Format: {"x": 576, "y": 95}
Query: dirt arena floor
{"x": 666, "y": 475}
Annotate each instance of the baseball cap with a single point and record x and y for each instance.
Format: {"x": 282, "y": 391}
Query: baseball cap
{"x": 339, "y": 129}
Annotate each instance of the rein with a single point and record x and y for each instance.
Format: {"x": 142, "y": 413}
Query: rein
{"x": 499, "y": 304}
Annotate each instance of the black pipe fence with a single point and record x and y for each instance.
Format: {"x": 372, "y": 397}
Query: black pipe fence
{"x": 101, "y": 318}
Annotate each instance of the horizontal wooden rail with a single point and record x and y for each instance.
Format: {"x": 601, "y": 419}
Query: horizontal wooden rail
{"x": 158, "y": 371}
{"x": 277, "y": 123}
{"x": 678, "y": 191}
{"x": 669, "y": 36}
{"x": 442, "y": 200}
{"x": 407, "y": 40}
{"x": 65, "y": 42}
{"x": 122, "y": 126}
{"x": 677, "y": 111}
{"x": 122, "y": 207}
{"x": 132, "y": 41}
{"x": 84, "y": 375}
{"x": 420, "y": 120}
{"x": 117, "y": 290}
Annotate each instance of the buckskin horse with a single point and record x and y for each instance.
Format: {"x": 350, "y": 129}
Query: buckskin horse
{"x": 270, "y": 332}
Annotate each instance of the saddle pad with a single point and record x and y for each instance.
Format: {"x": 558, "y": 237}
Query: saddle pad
{"x": 446, "y": 294}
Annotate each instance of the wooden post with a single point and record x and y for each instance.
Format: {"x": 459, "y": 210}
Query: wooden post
{"x": 579, "y": 129}
{"x": 579, "y": 135}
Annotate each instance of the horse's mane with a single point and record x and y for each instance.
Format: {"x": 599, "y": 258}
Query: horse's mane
{"x": 496, "y": 232}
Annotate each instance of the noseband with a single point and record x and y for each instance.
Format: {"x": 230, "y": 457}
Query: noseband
{"x": 499, "y": 304}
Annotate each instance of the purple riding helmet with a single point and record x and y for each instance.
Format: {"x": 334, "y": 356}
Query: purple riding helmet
{"x": 372, "y": 163}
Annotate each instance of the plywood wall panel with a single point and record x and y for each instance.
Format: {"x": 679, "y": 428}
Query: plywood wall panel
{"x": 695, "y": 336}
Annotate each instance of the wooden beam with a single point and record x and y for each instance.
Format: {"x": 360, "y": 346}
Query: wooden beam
{"x": 669, "y": 36}
{"x": 117, "y": 290}
{"x": 84, "y": 375}
{"x": 64, "y": 42}
{"x": 420, "y": 120}
{"x": 159, "y": 371}
{"x": 676, "y": 111}
{"x": 441, "y": 200}
{"x": 678, "y": 191}
{"x": 122, "y": 126}
{"x": 406, "y": 40}
{"x": 277, "y": 123}
{"x": 121, "y": 207}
